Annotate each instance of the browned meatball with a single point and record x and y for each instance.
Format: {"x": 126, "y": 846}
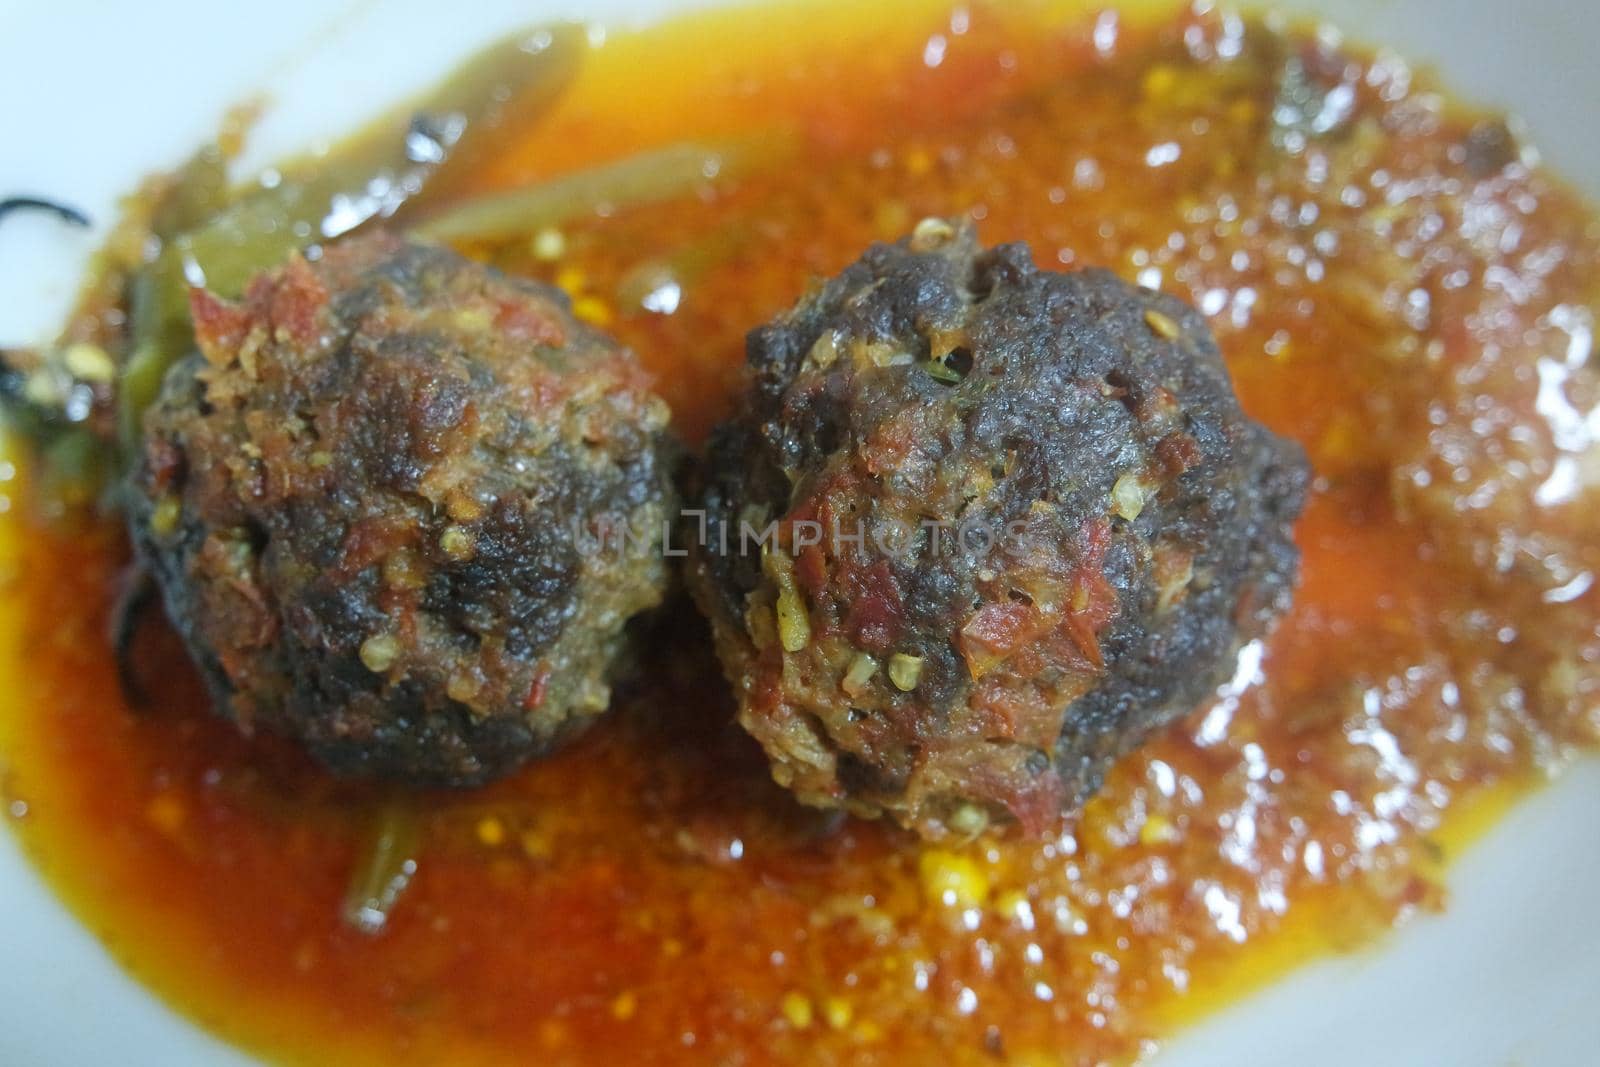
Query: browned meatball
{"x": 371, "y": 502}
{"x": 1020, "y": 523}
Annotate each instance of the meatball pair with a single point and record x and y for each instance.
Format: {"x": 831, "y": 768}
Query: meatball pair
{"x": 978, "y": 529}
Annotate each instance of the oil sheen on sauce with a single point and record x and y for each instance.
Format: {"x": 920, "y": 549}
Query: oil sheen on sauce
{"x": 1397, "y": 283}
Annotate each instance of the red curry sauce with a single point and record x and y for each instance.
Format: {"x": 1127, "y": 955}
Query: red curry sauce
{"x": 1396, "y": 283}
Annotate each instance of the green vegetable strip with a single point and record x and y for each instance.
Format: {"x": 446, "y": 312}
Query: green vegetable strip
{"x": 208, "y": 240}
{"x": 649, "y": 177}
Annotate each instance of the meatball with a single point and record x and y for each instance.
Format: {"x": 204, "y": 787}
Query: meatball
{"x": 376, "y": 502}
{"x": 978, "y": 529}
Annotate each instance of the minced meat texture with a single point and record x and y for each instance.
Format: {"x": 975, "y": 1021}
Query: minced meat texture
{"x": 1020, "y": 519}
{"x": 376, "y": 502}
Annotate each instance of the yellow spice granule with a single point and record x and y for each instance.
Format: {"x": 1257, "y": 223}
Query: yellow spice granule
{"x": 796, "y": 1008}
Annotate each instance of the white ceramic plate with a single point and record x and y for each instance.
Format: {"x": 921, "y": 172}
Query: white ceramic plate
{"x": 93, "y": 94}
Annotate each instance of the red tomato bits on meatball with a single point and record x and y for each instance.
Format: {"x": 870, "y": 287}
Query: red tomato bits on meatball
{"x": 368, "y": 500}
{"x": 979, "y": 528}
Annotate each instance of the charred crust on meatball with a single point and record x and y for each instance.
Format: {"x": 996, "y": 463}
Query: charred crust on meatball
{"x": 370, "y": 499}
{"x": 1136, "y": 522}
